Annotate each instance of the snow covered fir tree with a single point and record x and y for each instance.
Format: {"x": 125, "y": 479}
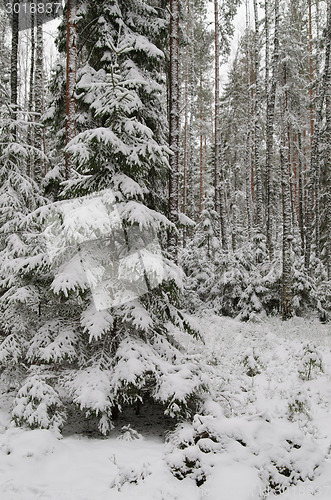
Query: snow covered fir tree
{"x": 165, "y": 242}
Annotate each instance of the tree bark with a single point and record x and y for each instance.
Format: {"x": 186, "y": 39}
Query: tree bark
{"x": 38, "y": 99}
{"x": 30, "y": 167}
{"x": 174, "y": 122}
{"x": 14, "y": 66}
{"x": 71, "y": 79}
{"x": 201, "y": 152}
{"x": 248, "y": 155}
{"x": 286, "y": 303}
{"x": 271, "y": 97}
{"x": 311, "y": 174}
{"x": 219, "y": 197}
{"x": 257, "y": 131}
{"x": 327, "y": 73}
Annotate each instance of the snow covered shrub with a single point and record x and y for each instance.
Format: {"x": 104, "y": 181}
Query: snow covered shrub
{"x": 37, "y": 404}
{"x": 252, "y": 363}
{"x": 129, "y": 434}
{"x": 311, "y": 361}
{"x": 309, "y": 292}
{"x": 199, "y": 259}
{"x": 323, "y": 293}
{"x": 130, "y": 474}
{"x": 187, "y": 460}
{"x": 299, "y": 405}
{"x": 281, "y": 453}
{"x": 245, "y": 284}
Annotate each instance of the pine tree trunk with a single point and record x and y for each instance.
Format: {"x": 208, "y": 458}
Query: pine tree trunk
{"x": 327, "y": 73}
{"x": 30, "y": 167}
{"x": 38, "y": 99}
{"x": 71, "y": 79}
{"x": 14, "y": 65}
{"x": 257, "y": 131}
{"x": 185, "y": 142}
{"x": 174, "y": 122}
{"x": 219, "y": 197}
{"x": 323, "y": 95}
{"x": 286, "y": 209}
{"x": 201, "y": 153}
{"x": 185, "y": 135}
{"x": 248, "y": 156}
{"x": 301, "y": 194}
{"x": 311, "y": 174}
{"x": 217, "y": 113}
{"x": 271, "y": 97}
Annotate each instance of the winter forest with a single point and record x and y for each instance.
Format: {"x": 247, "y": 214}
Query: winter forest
{"x": 165, "y": 249}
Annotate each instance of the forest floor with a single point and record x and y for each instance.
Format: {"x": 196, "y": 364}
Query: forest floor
{"x": 254, "y": 369}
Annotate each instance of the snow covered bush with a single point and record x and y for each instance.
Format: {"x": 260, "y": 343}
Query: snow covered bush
{"x": 129, "y": 434}
{"x": 281, "y": 453}
{"x": 37, "y": 404}
{"x": 311, "y": 361}
{"x": 299, "y": 405}
{"x": 252, "y": 363}
{"x": 244, "y": 283}
{"x": 129, "y": 474}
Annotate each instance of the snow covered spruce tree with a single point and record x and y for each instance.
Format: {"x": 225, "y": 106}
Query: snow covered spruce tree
{"x": 19, "y": 286}
{"x": 105, "y": 338}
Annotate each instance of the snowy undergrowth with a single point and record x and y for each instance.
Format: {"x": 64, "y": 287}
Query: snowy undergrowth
{"x": 272, "y": 383}
{"x": 267, "y": 433}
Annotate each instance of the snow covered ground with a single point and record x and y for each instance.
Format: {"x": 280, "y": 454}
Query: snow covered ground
{"x": 259, "y": 377}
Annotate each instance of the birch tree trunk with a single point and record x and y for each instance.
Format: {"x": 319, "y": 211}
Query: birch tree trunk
{"x": 174, "y": 122}
{"x": 71, "y": 79}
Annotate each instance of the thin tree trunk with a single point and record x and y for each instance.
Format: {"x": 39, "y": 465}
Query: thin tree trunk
{"x": 185, "y": 134}
{"x": 248, "y": 156}
{"x": 287, "y": 267}
{"x": 218, "y": 187}
{"x": 30, "y": 167}
{"x": 286, "y": 209}
{"x": 14, "y": 65}
{"x": 174, "y": 122}
{"x": 311, "y": 174}
{"x": 257, "y": 138}
{"x": 38, "y": 99}
{"x": 200, "y": 153}
{"x": 327, "y": 73}
{"x": 322, "y": 96}
{"x": 185, "y": 146}
{"x": 217, "y": 112}
{"x": 301, "y": 194}
{"x": 71, "y": 79}
{"x": 271, "y": 97}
